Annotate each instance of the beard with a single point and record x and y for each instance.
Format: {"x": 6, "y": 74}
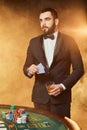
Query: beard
{"x": 48, "y": 30}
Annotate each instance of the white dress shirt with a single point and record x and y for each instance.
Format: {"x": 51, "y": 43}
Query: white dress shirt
{"x": 49, "y": 47}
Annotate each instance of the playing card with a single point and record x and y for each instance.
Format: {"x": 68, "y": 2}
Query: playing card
{"x": 41, "y": 68}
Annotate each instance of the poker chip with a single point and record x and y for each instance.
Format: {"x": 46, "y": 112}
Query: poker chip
{"x": 24, "y": 119}
{"x": 1, "y": 122}
{"x": 7, "y": 117}
{"x": 12, "y": 107}
{"x": 46, "y": 122}
{"x": 3, "y": 115}
{"x": 19, "y": 120}
{"x": 21, "y": 111}
{"x": 2, "y": 125}
{"x": 11, "y": 116}
{"x": 3, "y": 128}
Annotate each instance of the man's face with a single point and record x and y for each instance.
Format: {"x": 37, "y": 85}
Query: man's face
{"x": 47, "y": 23}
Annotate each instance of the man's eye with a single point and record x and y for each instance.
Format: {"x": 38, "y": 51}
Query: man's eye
{"x": 40, "y": 20}
{"x": 47, "y": 19}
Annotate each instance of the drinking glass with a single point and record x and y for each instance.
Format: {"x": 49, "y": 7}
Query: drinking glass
{"x": 50, "y": 86}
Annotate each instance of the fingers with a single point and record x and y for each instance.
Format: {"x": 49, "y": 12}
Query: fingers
{"x": 56, "y": 90}
{"x": 32, "y": 69}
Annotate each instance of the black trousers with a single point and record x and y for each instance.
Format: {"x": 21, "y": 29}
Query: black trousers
{"x": 60, "y": 109}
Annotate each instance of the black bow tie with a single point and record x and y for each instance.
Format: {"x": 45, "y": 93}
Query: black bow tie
{"x": 49, "y": 37}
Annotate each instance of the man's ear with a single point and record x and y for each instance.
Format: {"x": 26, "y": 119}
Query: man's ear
{"x": 56, "y": 21}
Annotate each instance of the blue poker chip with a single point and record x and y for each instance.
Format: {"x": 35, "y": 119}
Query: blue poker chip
{"x": 46, "y": 122}
{"x": 11, "y": 116}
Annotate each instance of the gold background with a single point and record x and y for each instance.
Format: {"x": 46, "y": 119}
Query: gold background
{"x": 18, "y": 24}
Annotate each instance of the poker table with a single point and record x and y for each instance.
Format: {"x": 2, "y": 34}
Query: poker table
{"x": 38, "y": 120}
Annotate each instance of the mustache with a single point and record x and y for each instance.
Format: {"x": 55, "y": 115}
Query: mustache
{"x": 43, "y": 27}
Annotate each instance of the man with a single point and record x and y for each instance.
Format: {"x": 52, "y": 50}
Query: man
{"x": 49, "y": 59}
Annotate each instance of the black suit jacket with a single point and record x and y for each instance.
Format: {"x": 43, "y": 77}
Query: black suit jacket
{"x": 66, "y": 54}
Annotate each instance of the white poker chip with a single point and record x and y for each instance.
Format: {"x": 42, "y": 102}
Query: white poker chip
{"x": 1, "y": 122}
{"x": 3, "y": 128}
{"x": 1, "y": 125}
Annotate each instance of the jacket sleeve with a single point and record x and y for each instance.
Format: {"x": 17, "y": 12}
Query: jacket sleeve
{"x": 77, "y": 65}
{"x": 29, "y": 61}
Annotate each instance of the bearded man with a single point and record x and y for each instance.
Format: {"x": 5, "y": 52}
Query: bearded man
{"x": 49, "y": 58}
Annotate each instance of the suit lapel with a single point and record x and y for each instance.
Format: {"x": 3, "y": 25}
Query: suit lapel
{"x": 58, "y": 44}
{"x": 57, "y": 49}
{"x": 40, "y": 53}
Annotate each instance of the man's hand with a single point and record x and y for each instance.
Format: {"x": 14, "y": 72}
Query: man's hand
{"x": 57, "y": 89}
{"x": 32, "y": 69}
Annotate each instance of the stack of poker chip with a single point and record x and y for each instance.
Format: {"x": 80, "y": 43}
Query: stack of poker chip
{"x": 7, "y": 115}
{"x": 3, "y": 115}
{"x": 12, "y": 107}
{"x": 22, "y": 119}
{"x": 18, "y": 115}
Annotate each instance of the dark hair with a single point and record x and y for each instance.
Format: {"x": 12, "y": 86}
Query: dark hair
{"x": 53, "y": 12}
